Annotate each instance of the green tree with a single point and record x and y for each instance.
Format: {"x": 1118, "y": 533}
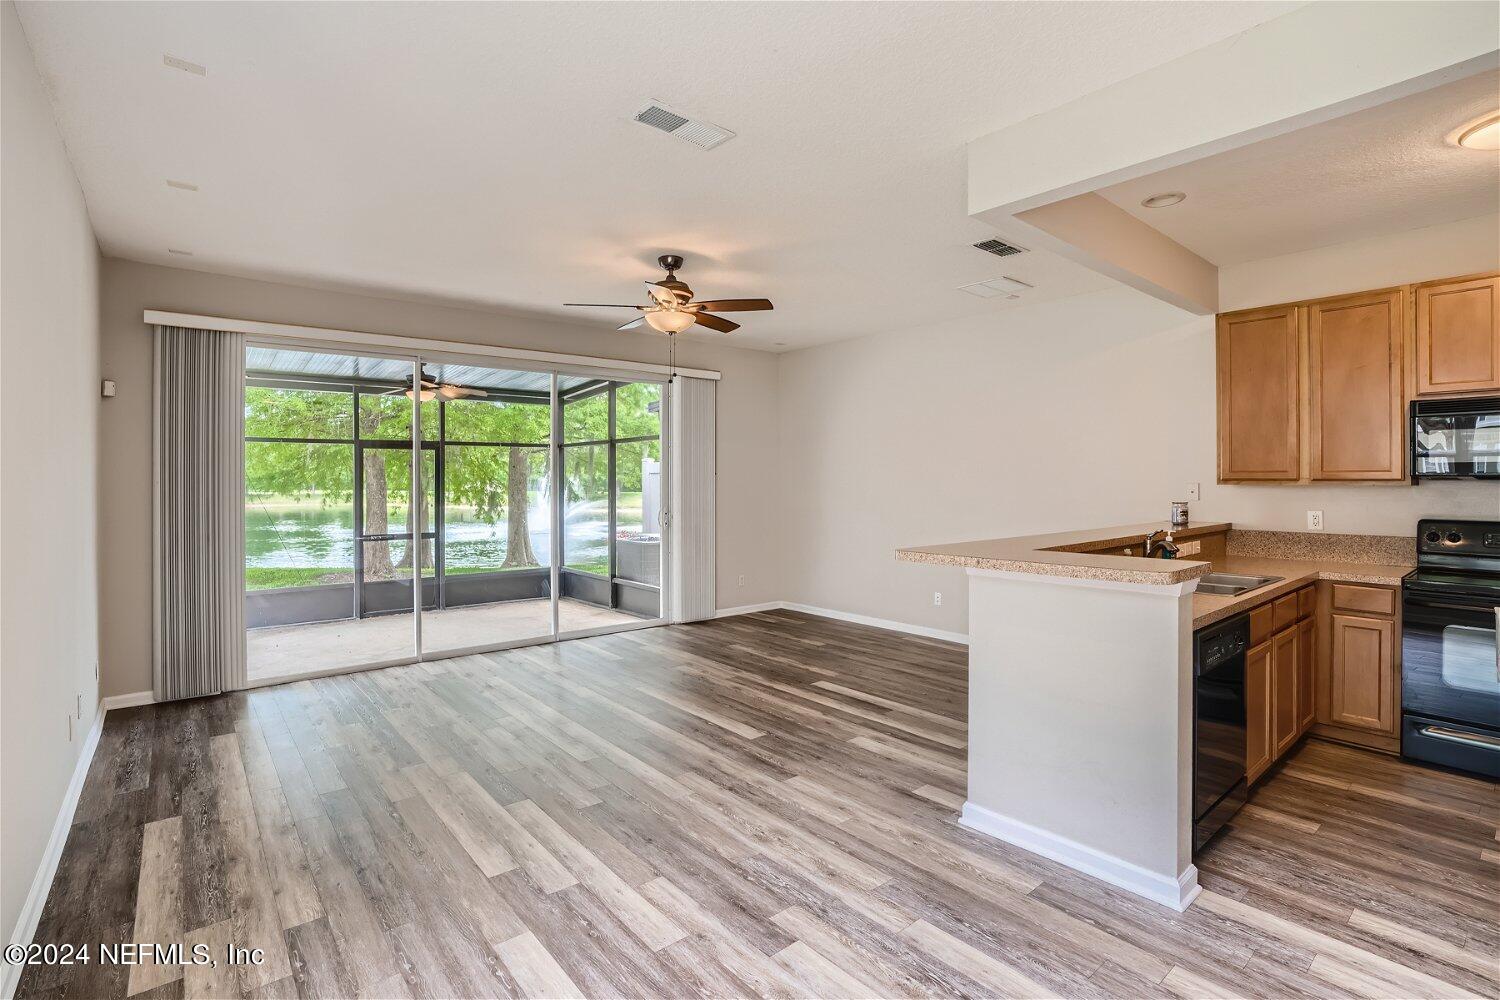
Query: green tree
{"x": 495, "y": 481}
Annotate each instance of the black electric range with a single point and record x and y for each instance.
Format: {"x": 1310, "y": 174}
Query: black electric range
{"x": 1450, "y": 667}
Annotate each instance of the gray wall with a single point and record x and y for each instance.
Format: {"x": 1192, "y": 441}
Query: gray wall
{"x": 49, "y": 354}
{"x": 747, "y": 429}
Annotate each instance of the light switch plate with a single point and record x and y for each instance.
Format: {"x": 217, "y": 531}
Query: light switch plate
{"x": 1193, "y": 493}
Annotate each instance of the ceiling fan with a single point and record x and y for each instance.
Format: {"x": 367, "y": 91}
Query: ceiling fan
{"x": 431, "y": 388}
{"x": 672, "y": 309}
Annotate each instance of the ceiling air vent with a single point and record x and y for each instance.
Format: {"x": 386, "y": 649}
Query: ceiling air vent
{"x": 704, "y": 135}
{"x": 998, "y": 248}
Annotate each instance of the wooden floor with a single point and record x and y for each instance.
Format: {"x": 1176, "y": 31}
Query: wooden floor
{"x": 756, "y": 806}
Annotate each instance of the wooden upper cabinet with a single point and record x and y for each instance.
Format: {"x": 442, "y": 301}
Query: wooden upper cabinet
{"x": 1355, "y": 425}
{"x": 1257, "y": 388}
{"x": 1457, "y": 343}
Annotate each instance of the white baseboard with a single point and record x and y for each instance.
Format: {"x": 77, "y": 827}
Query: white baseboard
{"x": 748, "y": 609}
{"x": 41, "y": 885}
{"x": 130, "y": 700}
{"x": 886, "y": 623}
{"x": 1177, "y": 893}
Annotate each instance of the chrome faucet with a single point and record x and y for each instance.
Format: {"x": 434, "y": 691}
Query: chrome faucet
{"x": 1165, "y": 549}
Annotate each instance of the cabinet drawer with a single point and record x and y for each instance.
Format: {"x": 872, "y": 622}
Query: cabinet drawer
{"x": 1260, "y": 624}
{"x": 1283, "y": 612}
{"x": 1368, "y": 600}
{"x": 1306, "y": 602}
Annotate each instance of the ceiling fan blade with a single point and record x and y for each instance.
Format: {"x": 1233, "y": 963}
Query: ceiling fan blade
{"x": 632, "y": 324}
{"x": 662, "y": 295}
{"x": 458, "y": 391}
{"x": 602, "y": 305}
{"x": 715, "y": 322}
{"x": 734, "y": 305}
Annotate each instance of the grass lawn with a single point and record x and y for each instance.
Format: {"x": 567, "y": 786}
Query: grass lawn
{"x": 272, "y": 577}
{"x": 275, "y": 577}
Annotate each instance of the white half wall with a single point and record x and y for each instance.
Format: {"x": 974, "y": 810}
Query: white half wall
{"x": 1080, "y": 739}
{"x": 1081, "y": 412}
{"x": 49, "y": 357}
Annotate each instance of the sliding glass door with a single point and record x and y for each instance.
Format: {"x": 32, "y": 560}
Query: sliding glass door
{"x": 611, "y": 503}
{"x": 533, "y": 508}
{"x": 329, "y": 521}
{"x": 494, "y": 551}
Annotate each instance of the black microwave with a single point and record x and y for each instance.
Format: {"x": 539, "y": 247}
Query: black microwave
{"x": 1455, "y": 438}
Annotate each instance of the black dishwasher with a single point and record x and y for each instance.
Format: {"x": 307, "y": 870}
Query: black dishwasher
{"x": 1218, "y": 725}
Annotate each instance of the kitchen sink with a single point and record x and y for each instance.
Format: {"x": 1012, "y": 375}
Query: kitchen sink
{"x": 1232, "y": 584}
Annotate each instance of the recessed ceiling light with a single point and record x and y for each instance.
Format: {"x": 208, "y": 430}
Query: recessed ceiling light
{"x": 180, "y": 253}
{"x": 1164, "y": 200}
{"x": 181, "y": 185}
{"x": 1483, "y": 134}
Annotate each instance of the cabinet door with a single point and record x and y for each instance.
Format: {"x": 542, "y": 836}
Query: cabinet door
{"x": 1458, "y": 336}
{"x": 1306, "y": 670}
{"x": 1355, "y": 425}
{"x": 1257, "y": 387}
{"x": 1258, "y": 710}
{"x": 1362, "y": 674}
{"x": 1285, "y": 650}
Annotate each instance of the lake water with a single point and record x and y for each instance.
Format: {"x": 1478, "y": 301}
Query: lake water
{"x": 309, "y": 535}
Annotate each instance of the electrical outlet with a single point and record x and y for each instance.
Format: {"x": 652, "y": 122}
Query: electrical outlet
{"x": 1315, "y": 520}
{"x": 1193, "y": 493}
{"x": 742, "y": 579}
{"x": 937, "y": 598}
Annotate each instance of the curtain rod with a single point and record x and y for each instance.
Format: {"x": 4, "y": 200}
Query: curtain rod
{"x": 255, "y": 328}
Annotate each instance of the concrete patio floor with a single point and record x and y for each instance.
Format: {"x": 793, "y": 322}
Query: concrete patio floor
{"x": 290, "y": 650}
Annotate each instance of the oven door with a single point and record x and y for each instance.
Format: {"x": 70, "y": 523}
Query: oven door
{"x": 1449, "y": 666}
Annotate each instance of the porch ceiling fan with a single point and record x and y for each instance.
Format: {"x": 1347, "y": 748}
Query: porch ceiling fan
{"x": 431, "y": 388}
{"x": 672, "y": 309}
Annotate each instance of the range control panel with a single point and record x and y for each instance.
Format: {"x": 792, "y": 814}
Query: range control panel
{"x": 1458, "y": 538}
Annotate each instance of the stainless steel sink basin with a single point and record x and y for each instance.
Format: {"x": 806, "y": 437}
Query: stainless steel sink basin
{"x": 1232, "y": 584}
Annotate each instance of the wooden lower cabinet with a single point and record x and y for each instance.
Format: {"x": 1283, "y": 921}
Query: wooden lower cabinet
{"x": 1284, "y": 676}
{"x": 1279, "y": 681}
{"x": 1258, "y": 738}
{"x": 1362, "y": 673}
{"x": 1307, "y": 660}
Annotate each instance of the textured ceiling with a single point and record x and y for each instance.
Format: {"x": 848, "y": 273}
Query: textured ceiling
{"x": 1384, "y": 170}
{"x": 483, "y": 153}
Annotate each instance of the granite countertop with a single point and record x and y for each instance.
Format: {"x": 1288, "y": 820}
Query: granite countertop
{"x": 1070, "y": 554}
{"x": 1295, "y": 573}
{"x": 1078, "y": 554}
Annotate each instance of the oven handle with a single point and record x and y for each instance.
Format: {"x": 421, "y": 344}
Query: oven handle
{"x": 1454, "y": 736}
{"x": 1423, "y": 602}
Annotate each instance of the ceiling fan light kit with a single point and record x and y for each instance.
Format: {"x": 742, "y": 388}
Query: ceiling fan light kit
{"x": 430, "y": 388}
{"x": 673, "y": 311}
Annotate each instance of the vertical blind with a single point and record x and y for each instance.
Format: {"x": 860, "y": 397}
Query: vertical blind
{"x": 198, "y": 633}
{"x": 695, "y": 433}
